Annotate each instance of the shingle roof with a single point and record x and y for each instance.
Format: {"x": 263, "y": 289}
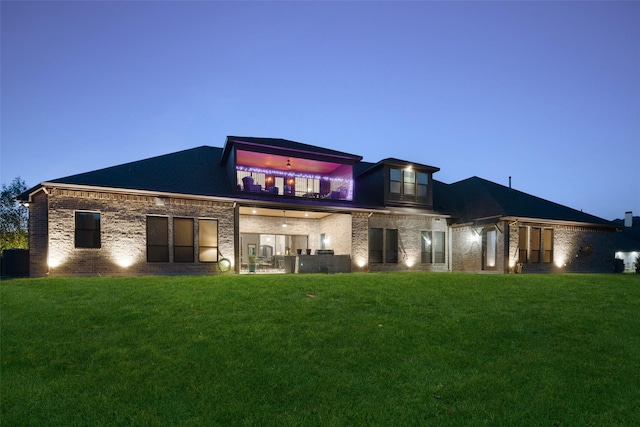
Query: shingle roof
{"x": 363, "y": 168}
{"x": 475, "y": 198}
{"x": 628, "y": 238}
{"x": 195, "y": 171}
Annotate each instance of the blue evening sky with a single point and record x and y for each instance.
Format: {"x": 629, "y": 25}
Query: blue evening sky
{"x": 545, "y": 92}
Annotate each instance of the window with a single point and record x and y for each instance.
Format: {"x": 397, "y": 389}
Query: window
{"x": 535, "y": 244}
{"x": 426, "y": 248}
{"x": 183, "y": 240}
{"x": 87, "y": 234}
{"x": 395, "y": 179}
{"x": 375, "y": 245}
{"x": 522, "y": 244}
{"x": 432, "y": 247}
{"x": 439, "y": 247}
{"x": 208, "y": 240}
{"x": 548, "y": 245}
{"x": 157, "y": 239}
{"x": 423, "y": 182}
{"x": 391, "y": 246}
{"x": 408, "y": 182}
{"x": 490, "y": 248}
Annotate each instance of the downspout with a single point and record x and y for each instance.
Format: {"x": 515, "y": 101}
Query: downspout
{"x": 449, "y": 248}
{"x": 46, "y": 252}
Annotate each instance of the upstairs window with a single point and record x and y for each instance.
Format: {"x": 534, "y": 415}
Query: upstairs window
{"x": 395, "y": 179}
{"x": 87, "y": 233}
{"x": 408, "y": 182}
{"x": 423, "y": 182}
{"x": 409, "y": 177}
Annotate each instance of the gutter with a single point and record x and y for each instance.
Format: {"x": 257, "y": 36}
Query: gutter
{"x": 516, "y": 219}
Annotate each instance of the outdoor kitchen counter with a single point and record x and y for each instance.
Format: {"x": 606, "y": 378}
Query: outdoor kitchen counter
{"x": 322, "y": 263}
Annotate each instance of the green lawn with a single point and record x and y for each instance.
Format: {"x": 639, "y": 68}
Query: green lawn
{"x": 355, "y": 349}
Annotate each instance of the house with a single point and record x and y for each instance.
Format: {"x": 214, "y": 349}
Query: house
{"x": 627, "y": 241}
{"x": 280, "y": 205}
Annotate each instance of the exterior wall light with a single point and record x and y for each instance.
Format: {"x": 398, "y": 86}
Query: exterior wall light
{"x": 124, "y": 261}
{"x": 55, "y": 260}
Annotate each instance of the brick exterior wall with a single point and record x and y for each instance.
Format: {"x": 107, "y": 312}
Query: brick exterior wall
{"x": 337, "y": 229}
{"x": 468, "y": 251}
{"x": 38, "y": 234}
{"x": 359, "y": 241}
{"x": 409, "y": 241}
{"x": 123, "y": 237}
{"x": 123, "y": 234}
{"x": 575, "y": 249}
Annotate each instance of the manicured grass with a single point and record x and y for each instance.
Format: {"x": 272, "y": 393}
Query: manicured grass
{"x": 358, "y": 349}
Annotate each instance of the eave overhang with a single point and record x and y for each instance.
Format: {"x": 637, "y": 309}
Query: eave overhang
{"x": 48, "y": 186}
{"x": 528, "y": 220}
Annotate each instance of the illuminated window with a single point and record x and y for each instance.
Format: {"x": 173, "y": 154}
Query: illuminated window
{"x": 522, "y": 244}
{"x": 375, "y": 245}
{"x": 536, "y": 237}
{"x": 490, "y": 249}
{"x": 391, "y": 246}
{"x": 183, "y": 240}
{"x": 408, "y": 182}
{"x": 87, "y": 233}
{"x": 432, "y": 247}
{"x": 548, "y": 245}
{"x": 157, "y": 239}
{"x": 426, "y": 248}
{"x": 208, "y": 240}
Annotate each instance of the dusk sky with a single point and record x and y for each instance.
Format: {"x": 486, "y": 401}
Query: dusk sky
{"x": 545, "y": 92}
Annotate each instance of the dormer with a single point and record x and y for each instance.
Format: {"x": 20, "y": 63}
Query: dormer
{"x": 278, "y": 168}
{"x": 394, "y": 182}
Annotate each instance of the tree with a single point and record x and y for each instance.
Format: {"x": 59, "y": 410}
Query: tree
{"x": 13, "y": 217}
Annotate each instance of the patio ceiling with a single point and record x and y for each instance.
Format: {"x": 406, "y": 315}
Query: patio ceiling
{"x": 281, "y": 213}
{"x": 273, "y": 161}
